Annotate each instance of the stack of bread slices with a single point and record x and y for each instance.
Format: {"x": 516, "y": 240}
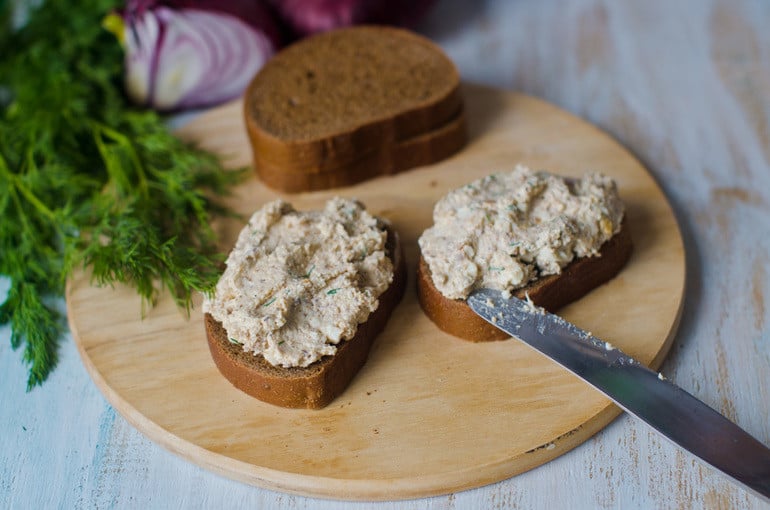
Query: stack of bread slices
{"x": 348, "y": 105}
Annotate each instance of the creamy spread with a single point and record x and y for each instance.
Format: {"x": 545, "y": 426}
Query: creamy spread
{"x": 508, "y": 229}
{"x": 298, "y": 283}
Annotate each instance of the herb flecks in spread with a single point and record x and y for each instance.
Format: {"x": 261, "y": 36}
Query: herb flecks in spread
{"x": 298, "y": 283}
{"x": 506, "y": 230}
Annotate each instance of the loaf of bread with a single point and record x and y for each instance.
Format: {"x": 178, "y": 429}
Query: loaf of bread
{"x": 294, "y": 326}
{"x": 347, "y": 105}
{"x": 492, "y": 212}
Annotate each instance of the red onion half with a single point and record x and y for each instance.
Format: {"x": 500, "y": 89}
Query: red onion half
{"x": 187, "y": 54}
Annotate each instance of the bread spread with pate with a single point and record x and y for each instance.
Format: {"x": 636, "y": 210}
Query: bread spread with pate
{"x": 507, "y": 229}
{"x": 527, "y": 234}
{"x": 298, "y": 283}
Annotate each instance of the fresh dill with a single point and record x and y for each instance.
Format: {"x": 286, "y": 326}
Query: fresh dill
{"x": 87, "y": 180}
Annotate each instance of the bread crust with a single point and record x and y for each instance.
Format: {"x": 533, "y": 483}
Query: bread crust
{"x": 316, "y": 385}
{"x": 349, "y": 145}
{"x": 386, "y": 160}
{"x": 423, "y": 127}
{"x": 552, "y": 292}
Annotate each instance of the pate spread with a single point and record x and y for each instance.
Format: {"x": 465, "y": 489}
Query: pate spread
{"x": 508, "y": 229}
{"x": 298, "y": 283}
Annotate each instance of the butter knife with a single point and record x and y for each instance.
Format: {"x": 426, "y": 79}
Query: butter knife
{"x": 641, "y": 392}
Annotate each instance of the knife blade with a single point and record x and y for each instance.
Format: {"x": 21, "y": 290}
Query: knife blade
{"x": 643, "y": 393}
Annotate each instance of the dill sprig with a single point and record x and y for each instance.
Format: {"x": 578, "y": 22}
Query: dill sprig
{"x": 88, "y": 180}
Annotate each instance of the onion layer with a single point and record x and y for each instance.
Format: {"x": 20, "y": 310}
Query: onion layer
{"x": 189, "y": 57}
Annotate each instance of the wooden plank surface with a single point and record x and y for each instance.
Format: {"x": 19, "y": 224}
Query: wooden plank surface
{"x": 684, "y": 85}
{"x": 428, "y": 414}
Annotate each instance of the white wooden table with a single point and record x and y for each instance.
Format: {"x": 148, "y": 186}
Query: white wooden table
{"x": 686, "y": 87}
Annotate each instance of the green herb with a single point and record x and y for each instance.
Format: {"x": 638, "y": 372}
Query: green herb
{"x": 86, "y": 180}
{"x": 270, "y": 302}
{"x": 307, "y": 275}
{"x": 282, "y": 342}
{"x": 331, "y": 292}
{"x": 234, "y": 341}
{"x": 495, "y": 268}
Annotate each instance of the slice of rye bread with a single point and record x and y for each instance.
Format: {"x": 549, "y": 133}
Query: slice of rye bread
{"x": 314, "y": 386}
{"x": 551, "y": 292}
{"x": 330, "y": 98}
{"x": 417, "y": 151}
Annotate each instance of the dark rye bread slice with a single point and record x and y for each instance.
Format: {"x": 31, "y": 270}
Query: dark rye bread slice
{"x": 314, "y": 386}
{"x": 330, "y": 99}
{"x": 347, "y": 88}
{"x": 416, "y": 151}
{"x": 551, "y": 292}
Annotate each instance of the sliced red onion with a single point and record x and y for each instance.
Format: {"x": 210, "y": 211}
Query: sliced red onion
{"x": 252, "y": 12}
{"x": 188, "y": 57}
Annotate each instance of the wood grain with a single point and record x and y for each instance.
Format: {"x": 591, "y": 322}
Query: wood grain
{"x": 428, "y": 414}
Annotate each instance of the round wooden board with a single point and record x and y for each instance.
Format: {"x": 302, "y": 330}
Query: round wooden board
{"x": 428, "y": 414}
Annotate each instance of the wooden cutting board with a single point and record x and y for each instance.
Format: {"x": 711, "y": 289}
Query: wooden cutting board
{"x": 429, "y": 413}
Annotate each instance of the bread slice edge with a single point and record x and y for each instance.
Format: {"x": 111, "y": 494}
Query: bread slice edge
{"x": 552, "y": 292}
{"x": 389, "y": 159}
